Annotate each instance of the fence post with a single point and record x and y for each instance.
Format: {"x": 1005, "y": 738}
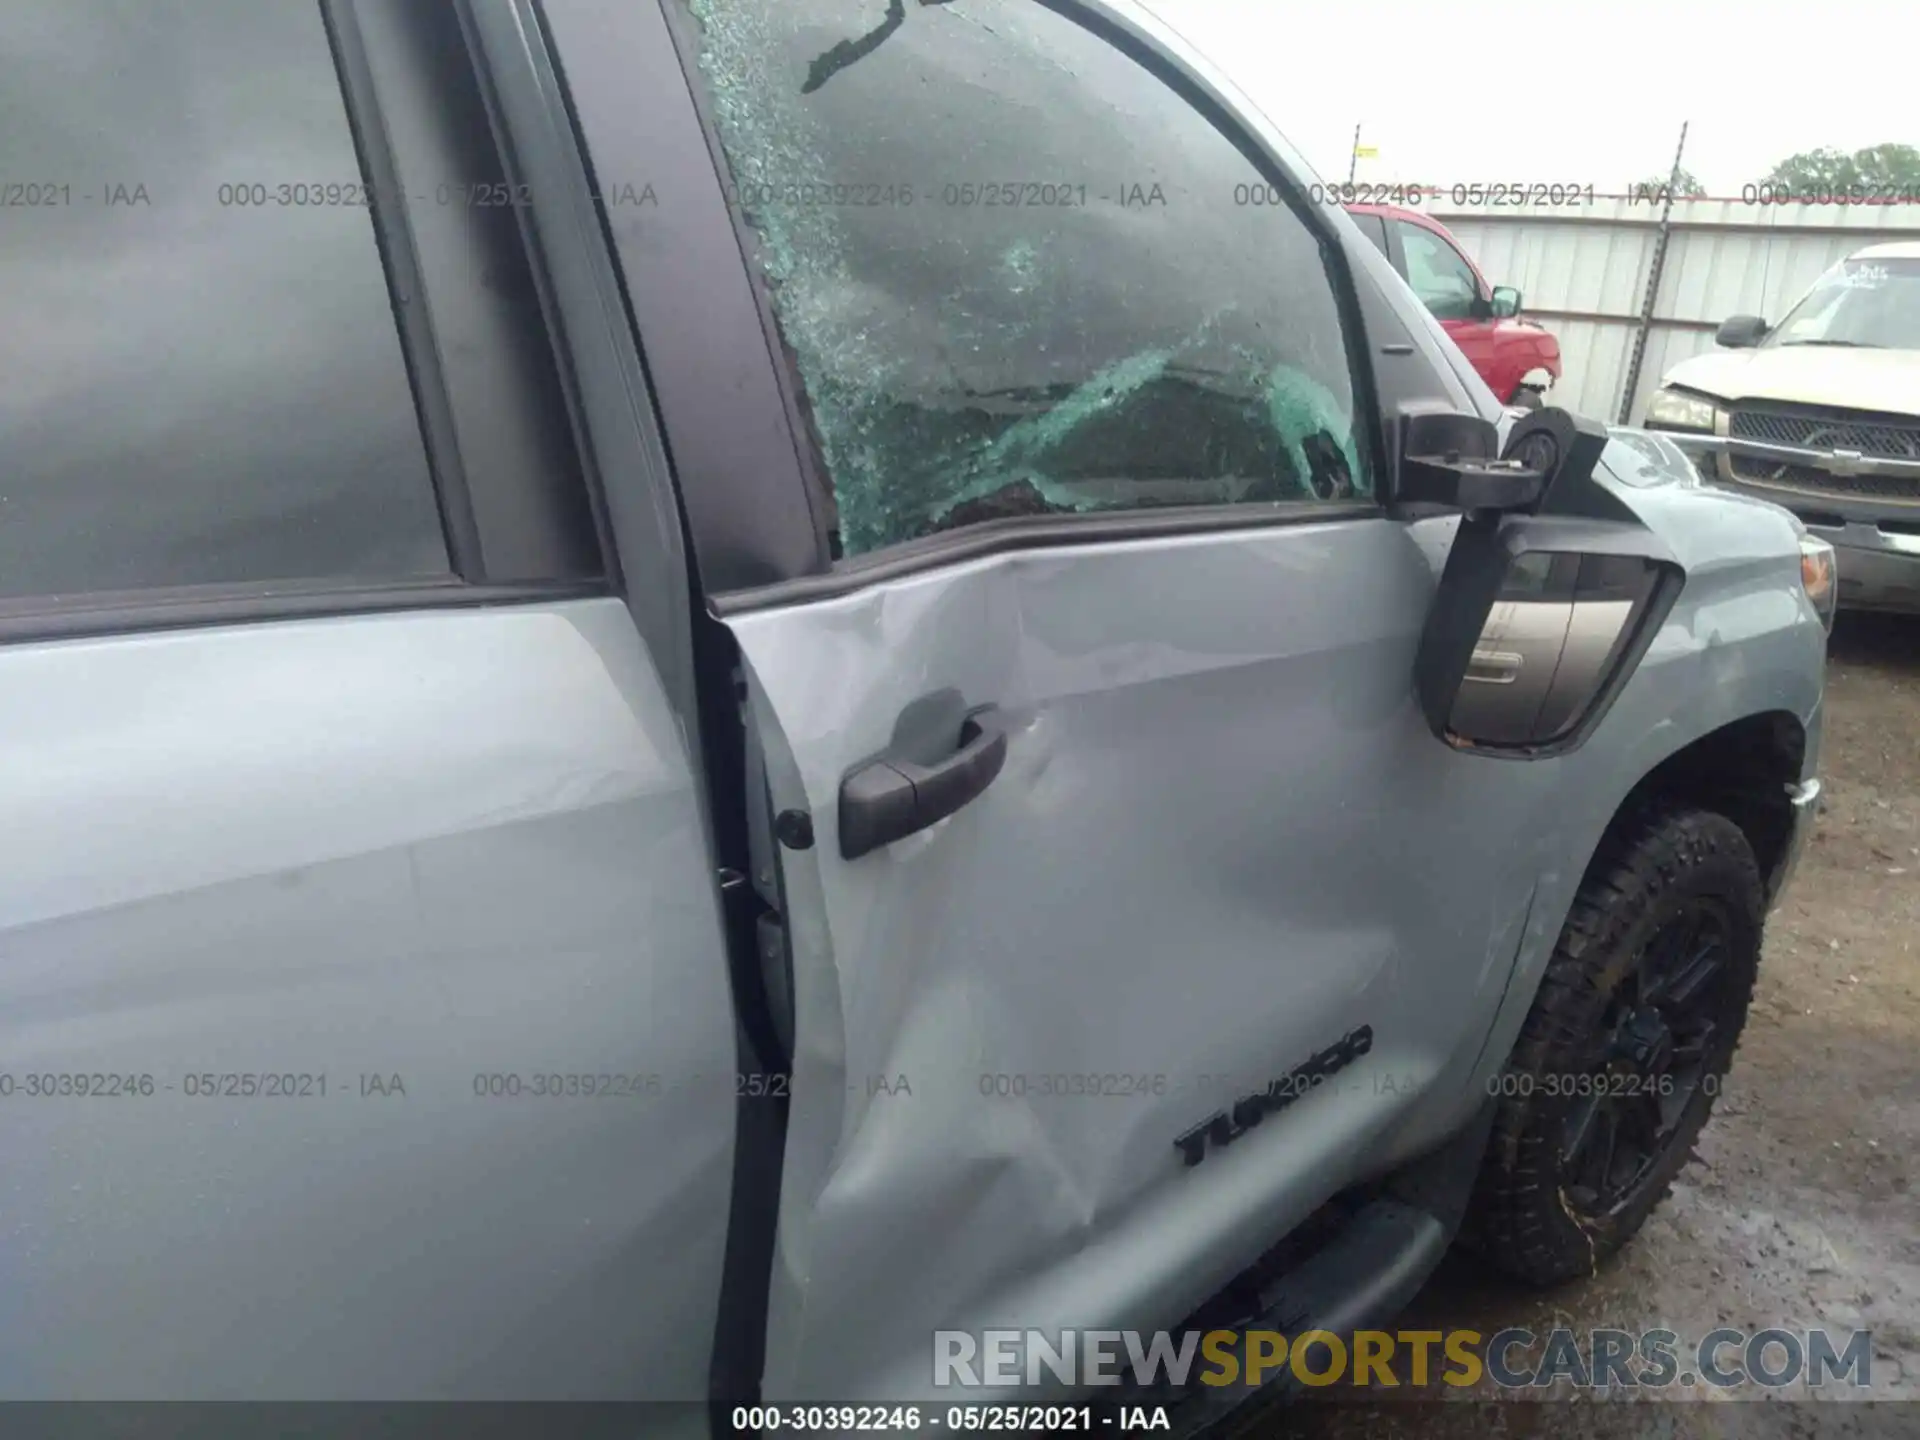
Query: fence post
{"x": 1661, "y": 236}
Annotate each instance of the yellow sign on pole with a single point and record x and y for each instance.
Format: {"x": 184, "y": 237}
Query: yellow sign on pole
{"x": 1366, "y": 152}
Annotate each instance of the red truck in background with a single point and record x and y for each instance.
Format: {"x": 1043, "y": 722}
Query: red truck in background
{"x": 1519, "y": 359}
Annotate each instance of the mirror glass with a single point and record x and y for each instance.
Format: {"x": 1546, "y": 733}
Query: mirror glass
{"x": 1548, "y": 645}
{"x": 1506, "y": 302}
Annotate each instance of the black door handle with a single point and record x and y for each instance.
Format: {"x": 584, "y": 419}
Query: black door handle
{"x": 888, "y": 798}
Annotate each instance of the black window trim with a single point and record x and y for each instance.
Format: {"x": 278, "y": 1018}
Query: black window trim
{"x": 735, "y": 466}
{"x": 822, "y": 505}
{"x": 400, "y": 259}
{"x": 739, "y": 526}
{"x": 107, "y": 614}
{"x": 1036, "y": 532}
{"x": 539, "y": 263}
{"x": 78, "y": 614}
{"x": 527, "y": 519}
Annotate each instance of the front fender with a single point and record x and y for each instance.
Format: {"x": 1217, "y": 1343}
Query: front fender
{"x": 1742, "y": 640}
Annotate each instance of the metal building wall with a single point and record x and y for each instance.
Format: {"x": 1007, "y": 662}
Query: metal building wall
{"x": 1583, "y": 272}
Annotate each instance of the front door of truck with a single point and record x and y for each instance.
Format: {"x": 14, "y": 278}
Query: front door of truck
{"x": 1105, "y": 796}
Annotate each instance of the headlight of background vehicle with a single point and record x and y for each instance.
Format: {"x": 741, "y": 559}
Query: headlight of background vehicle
{"x": 1677, "y": 410}
{"x": 1818, "y": 577}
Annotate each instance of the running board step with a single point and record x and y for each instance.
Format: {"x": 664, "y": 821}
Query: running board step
{"x": 1365, "y": 1274}
{"x": 1361, "y": 1276}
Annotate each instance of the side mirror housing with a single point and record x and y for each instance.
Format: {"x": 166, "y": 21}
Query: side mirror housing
{"x": 1545, "y": 606}
{"x": 1506, "y": 302}
{"x": 1740, "y": 332}
{"x": 1536, "y": 626}
{"x": 1450, "y": 460}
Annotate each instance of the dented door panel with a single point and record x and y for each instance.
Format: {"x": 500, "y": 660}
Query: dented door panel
{"x": 1223, "y": 840}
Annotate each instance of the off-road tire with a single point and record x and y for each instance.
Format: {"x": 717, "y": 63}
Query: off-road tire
{"x": 1650, "y": 865}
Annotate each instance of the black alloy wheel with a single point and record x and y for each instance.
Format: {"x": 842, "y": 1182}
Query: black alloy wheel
{"x": 1628, "y": 1040}
{"x": 1662, "y": 1045}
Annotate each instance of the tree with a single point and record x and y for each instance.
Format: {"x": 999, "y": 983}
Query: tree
{"x": 1878, "y": 167}
{"x": 1685, "y": 186}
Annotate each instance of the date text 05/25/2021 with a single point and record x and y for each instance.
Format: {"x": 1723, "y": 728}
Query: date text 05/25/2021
{"x": 995, "y": 1419}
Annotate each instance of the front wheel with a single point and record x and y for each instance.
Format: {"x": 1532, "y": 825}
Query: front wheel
{"x": 1627, "y": 1044}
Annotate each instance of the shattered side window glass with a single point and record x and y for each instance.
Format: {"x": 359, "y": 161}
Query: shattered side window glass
{"x": 1017, "y": 274}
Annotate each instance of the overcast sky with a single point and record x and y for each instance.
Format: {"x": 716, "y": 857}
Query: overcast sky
{"x": 1577, "y": 91}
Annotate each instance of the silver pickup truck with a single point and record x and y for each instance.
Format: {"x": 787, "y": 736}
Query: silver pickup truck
{"x": 697, "y": 690}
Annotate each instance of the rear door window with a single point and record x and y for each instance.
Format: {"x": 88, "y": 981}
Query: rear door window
{"x": 1016, "y": 273}
{"x": 203, "y": 379}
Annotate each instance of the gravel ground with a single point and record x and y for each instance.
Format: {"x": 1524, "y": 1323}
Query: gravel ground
{"x": 1802, "y": 1209}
